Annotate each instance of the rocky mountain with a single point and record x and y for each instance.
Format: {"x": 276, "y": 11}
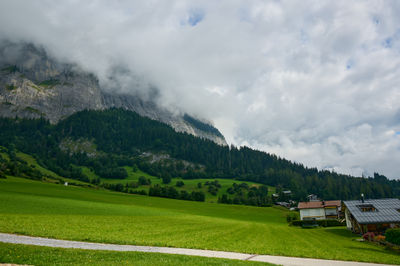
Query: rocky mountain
{"x": 33, "y": 85}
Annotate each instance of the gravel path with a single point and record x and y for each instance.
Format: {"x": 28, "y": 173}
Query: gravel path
{"x": 286, "y": 261}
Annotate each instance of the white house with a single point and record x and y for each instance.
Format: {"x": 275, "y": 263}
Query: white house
{"x": 319, "y": 210}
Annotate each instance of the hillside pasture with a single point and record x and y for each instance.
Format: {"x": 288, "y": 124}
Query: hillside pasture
{"x": 189, "y": 184}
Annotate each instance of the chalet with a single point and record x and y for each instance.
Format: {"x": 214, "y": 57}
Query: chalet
{"x": 372, "y": 215}
{"x": 319, "y": 210}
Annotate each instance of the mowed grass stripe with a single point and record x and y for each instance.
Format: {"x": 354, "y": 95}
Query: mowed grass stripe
{"x": 74, "y": 213}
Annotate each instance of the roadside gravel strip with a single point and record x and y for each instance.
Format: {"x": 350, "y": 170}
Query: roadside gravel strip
{"x": 286, "y": 261}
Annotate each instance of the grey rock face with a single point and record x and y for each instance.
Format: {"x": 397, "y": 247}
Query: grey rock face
{"x": 33, "y": 85}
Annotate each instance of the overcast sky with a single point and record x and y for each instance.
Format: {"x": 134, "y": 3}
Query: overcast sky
{"x": 316, "y": 82}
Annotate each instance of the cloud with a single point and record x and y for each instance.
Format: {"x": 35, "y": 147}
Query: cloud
{"x": 195, "y": 16}
{"x": 316, "y": 81}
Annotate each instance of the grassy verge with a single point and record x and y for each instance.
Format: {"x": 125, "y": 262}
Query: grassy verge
{"x": 33, "y": 255}
{"x": 76, "y": 213}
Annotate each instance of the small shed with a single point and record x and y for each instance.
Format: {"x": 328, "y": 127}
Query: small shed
{"x": 372, "y": 215}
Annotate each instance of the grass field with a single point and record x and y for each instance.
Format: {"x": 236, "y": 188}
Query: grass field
{"x": 189, "y": 184}
{"x": 24, "y": 254}
{"x": 76, "y": 213}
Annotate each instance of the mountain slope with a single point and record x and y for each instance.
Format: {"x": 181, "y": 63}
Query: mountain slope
{"x": 33, "y": 85}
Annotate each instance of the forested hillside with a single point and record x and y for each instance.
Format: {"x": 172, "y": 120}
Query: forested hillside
{"x": 121, "y": 137}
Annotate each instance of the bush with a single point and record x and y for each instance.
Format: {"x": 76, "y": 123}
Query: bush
{"x": 140, "y": 192}
{"x": 143, "y": 181}
{"x": 292, "y": 216}
{"x": 323, "y": 223}
{"x": 198, "y": 196}
{"x": 297, "y": 223}
{"x": 166, "y": 179}
{"x": 133, "y": 185}
{"x": 213, "y": 190}
{"x": 2, "y": 175}
{"x": 380, "y": 238}
{"x": 330, "y": 223}
{"x": 393, "y": 236}
{"x": 180, "y": 183}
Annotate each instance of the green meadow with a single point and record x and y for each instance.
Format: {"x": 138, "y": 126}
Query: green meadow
{"x": 24, "y": 254}
{"x": 77, "y": 213}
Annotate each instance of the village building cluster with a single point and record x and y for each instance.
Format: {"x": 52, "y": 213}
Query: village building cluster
{"x": 361, "y": 216}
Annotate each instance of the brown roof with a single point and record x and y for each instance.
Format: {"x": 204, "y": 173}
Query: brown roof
{"x": 319, "y": 204}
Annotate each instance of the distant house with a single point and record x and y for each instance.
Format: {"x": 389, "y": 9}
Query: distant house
{"x": 319, "y": 210}
{"x": 313, "y": 197}
{"x": 283, "y": 204}
{"x": 374, "y": 215}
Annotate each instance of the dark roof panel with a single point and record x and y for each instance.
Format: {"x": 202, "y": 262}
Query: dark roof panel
{"x": 387, "y": 211}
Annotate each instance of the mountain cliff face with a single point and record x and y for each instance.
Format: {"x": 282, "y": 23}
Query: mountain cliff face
{"x": 33, "y": 85}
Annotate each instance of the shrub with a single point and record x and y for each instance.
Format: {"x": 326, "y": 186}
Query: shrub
{"x": 380, "y": 238}
{"x": 213, "y": 190}
{"x": 198, "y": 196}
{"x": 292, "y": 216}
{"x": 184, "y": 195}
{"x": 393, "y": 236}
{"x": 143, "y": 181}
{"x": 180, "y": 183}
{"x": 2, "y": 175}
{"x": 296, "y": 223}
{"x": 231, "y": 190}
{"x": 133, "y": 184}
{"x": 140, "y": 192}
{"x": 166, "y": 179}
{"x": 329, "y": 223}
{"x": 323, "y": 223}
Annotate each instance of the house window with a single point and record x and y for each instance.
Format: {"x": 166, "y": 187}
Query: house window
{"x": 330, "y": 211}
{"x": 367, "y": 208}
